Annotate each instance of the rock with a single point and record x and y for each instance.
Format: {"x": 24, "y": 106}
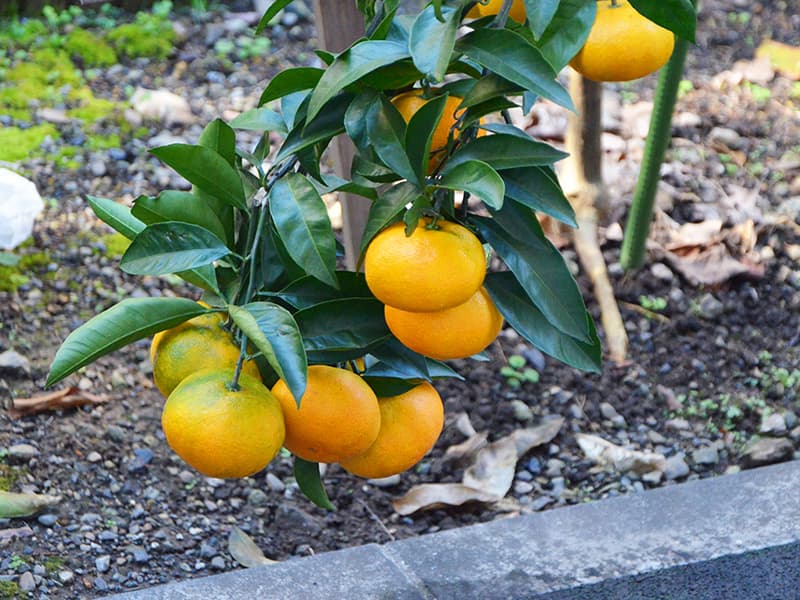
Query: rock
{"x": 766, "y": 451}
{"x": 534, "y": 466}
{"x": 383, "y": 482}
{"x": 727, "y": 137}
{"x": 94, "y": 457}
{"x": 652, "y": 477}
{"x": 293, "y": 518}
{"x": 706, "y": 455}
{"x": 102, "y": 563}
{"x": 26, "y": 582}
{"x": 795, "y": 434}
{"x": 790, "y": 419}
{"x": 12, "y": 361}
{"x": 540, "y": 502}
{"x": 677, "y": 424}
{"x": 98, "y": 168}
{"x": 257, "y": 498}
{"x": 668, "y": 396}
{"x": 554, "y": 467}
{"x": 535, "y": 358}
{"x": 21, "y": 453}
{"x": 141, "y": 458}
{"x": 48, "y": 520}
{"x": 522, "y": 412}
{"x": 162, "y": 105}
{"x": 523, "y": 487}
{"x": 558, "y": 486}
{"x": 773, "y": 424}
{"x": 218, "y": 563}
{"x": 608, "y": 411}
{"x": 20, "y": 202}
{"x": 675, "y": 467}
{"x": 662, "y": 272}
{"x": 207, "y": 550}
{"x": 115, "y": 433}
{"x": 656, "y": 437}
{"x": 100, "y": 584}
{"x": 139, "y": 555}
{"x": 275, "y": 484}
{"x": 66, "y": 576}
{"x": 56, "y": 116}
{"x": 710, "y": 308}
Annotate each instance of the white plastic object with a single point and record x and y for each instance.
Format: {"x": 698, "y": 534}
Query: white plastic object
{"x": 20, "y": 202}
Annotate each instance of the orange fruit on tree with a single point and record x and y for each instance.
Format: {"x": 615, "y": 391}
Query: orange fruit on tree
{"x": 338, "y": 416}
{"x": 474, "y": 12}
{"x": 492, "y": 7}
{"x": 622, "y": 44}
{"x": 410, "y": 425}
{"x": 456, "y": 332}
{"x": 222, "y": 432}
{"x": 436, "y": 267}
{"x": 199, "y": 343}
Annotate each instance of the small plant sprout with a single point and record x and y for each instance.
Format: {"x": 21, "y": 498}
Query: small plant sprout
{"x": 516, "y": 374}
{"x": 653, "y": 303}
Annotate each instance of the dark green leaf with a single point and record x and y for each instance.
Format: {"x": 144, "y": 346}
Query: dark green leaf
{"x": 397, "y": 361}
{"x": 395, "y": 76}
{"x": 259, "y": 119}
{"x": 307, "y": 291}
{"x": 170, "y": 247}
{"x": 433, "y": 38}
{"x": 507, "y": 151}
{"x": 386, "y": 209}
{"x": 538, "y": 188}
{"x": 349, "y": 325}
{"x": 567, "y": 32}
{"x": 171, "y": 205}
{"x": 489, "y": 87}
{"x": 350, "y": 66}
{"x": 539, "y": 268}
{"x": 322, "y": 129}
{"x": 386, "y": 133}
{"x": 419, "y": 134}
{"x": 518, "y": 310}
{"x": 207, "y": 170}
{"x": 219, "y": 137}
{"x": 271, "y": 13}
{"x": 508, "y": 55}
{"x": 131, "y": 320}
{"x": 383, "y": 28}
{"x": 117, "y": 216}
{"x": 273, "y": 330}
{"x": 679, "y": 16}
{"x": 540, "y": 13}
{"x": 386, "y": 387}
{"x": 477, "y": 178}
{"x": 290, "y": 81}
{"x": 293, "y": 107}
{"x": 301, "y": 219}
{"x": 355, "y": 119}
{"x": 271, "y": 270}
{"x": 310, "y": 483}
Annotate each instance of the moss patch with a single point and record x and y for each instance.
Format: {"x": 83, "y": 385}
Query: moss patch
{"x": 9, "y": 476}
{"x": 11, "y": 278}
{"x": 149, "y": 36}
{"x": 9, "y": 590}
{"x": 17, "y": 144}
{"x": 93, "y": 50}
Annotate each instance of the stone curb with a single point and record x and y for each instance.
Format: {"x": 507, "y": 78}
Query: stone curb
{"x": 735, "y": 536}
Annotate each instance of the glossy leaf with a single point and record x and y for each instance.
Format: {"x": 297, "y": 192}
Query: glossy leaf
{"x": 507, "y": 151}
{"x": 386, "y": 133}
{"x": 272, "y": 12}
{"x": 310, "y": 483}
{"x": 117, "y": 216}
{"x": 567, "y": 31}
{"x": 477, "y": 178}
{"x": 130, "y": 320}
{"x": 350, "y": 66}
{"x": 518, "y": 310}
{"x": 308, "y": 291}
{"x": 206, "y": 169}
{"x": 219, "y": 136}
{"x": 259, "y": 119}
{"x": 386, "y": 209}
{"x": 273, "y": 330}
{"x": 170, "y": 247}
{"x": 679, "y": 16}
{"x": 355, "y": 119}
{"x": 539, "y": 267}
{"x": 489, "y": 87}
{"x": 349, "y": 325}
{"x": 508, "y": 55}
{"x": 537, "y": 188}
{"x": 171, "y": 205}
{"x": 326, "y": 126}
{"x": 290, "y": 81}
{"x": 432, "y": 40}
{"x": 397, "y": 361}
{"x": 387, "y": 387}
{"x": 301, "y": 220}
{"x": 540, "y": 13}
{"x": 419, "y": 134}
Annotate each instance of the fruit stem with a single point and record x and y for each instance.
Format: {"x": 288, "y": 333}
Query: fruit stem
{"x": 234, "y": 384}
{"x": 502, "y": 17}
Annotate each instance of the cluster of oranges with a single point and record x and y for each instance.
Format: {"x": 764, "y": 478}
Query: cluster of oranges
{"x": 226, "y": 432}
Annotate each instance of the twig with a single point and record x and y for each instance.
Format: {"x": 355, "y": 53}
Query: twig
{"x": 647, "y": 313}
{"x": 377, "y": 519}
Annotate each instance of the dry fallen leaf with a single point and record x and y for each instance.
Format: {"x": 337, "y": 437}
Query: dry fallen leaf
{"x": 712, "y": 266}
{"x": 436, "y": 495}
{"x": 23, "y": 505}
{"x": 618, "y": 458}
{"x": 493, "y": 469}
{"x": 67, "y": 398}
{"x": 244, "y": 550}
{"x": 758, "y": 70}
{"x": 467, "y": 448}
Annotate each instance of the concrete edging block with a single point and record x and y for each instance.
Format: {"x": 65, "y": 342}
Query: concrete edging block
{"x": 602, "y": 549}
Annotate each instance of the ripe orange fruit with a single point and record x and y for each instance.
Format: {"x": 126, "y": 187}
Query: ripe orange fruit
{"x": 200, "y": 343}
{"x": 410, "y": 425}
{"x": 220, "y": 432}
{"x": 338, "y": 415}
{"x": 474, "y": 12}
{"x": 622, "y": 45}
{"x": 432, "y": 269}
{"x": 456, "y": 332}
{"x": 493, "y": 7}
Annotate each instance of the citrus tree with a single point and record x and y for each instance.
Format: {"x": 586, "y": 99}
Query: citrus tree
{"x": 286, "y": 348}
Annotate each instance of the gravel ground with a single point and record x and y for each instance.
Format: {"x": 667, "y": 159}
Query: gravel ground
{"x": 713, "y": 372}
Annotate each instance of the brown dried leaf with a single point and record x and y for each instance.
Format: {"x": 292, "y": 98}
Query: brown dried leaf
{"x": 618, "y": 458}
{"x": 758, "y": 70}
{"x": 436, "y": 495}
{"x": 712, "y": 266}
{"x": 66, "y": 398}
{"x": 467, "y": 448}
{"x": 464, "y": 425}
{"x": 244, "y": 550}
{"x": 23, "y": 505}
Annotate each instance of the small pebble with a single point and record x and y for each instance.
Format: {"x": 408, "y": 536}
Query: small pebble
{"x": 48, "y": 520}
{"x": 256, "y": 498}
{"x": 94, "y": 457}
{"x": 707, "y": 455}
{"x": 522, "y": 412}
{"x": 66, "y": 576}
{"x": 523, "y": 487}
{"x": 709, "y": 307}
{"x": 22, "y": 453}
{"x": 540, "y": 502}
{"x": 218, "y": 563}
{"x": 382, "y": 482}
{"x": 26, "y": 582}
{"x": 676, "y": 467}
{"x": 274, "y": 483}
{"x": 102, "y": 563}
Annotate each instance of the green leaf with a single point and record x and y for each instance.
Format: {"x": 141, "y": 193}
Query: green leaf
{"x": 273, "y": 330}
{"x": 386, "y": 131}
{"x": 8, "y": 260}
{"x": 170, "y": 247}
{"x": 538, "y": 188}
{"x": 386, "y": 209}
{"x": 477, "y": 178}
{"x": 567, "y": 31}
{"x": 350, "y": 326}
{"x": 540, "y": 13}
{"x": 489, "y": 87}
{"x": 206, "y": 169}
{"x": 433, "y": 38}
{"x": 383, "y": 28}
{"x": 518, "y": 310}
{"x": 355, "y": 119}
{"x": 510, "y": 56}
{"x": 301, "y": 220}
{"x": 679, "y": 16}
{"x": 419, "y": 134}
{"x": 117, "y": 216}
{"x": 219, "y": 137}
{"x": 387, "y": 387}
{"x": 131, "y": 320}
{"x": 326, "y": 126}
{"x": 507, "y": 151}
{"x": 259, "y": 119}
{"x": 310, "y": 483}
{"x": 271, "y": 13}
{"x": 290, "y": 81}
{"x": 396, "y": 361}
{"x": 350, "y": 66}
{"x": 308, "y": 291}
{"x": 171, "y": 205}
{"x": 539, "y": 268}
